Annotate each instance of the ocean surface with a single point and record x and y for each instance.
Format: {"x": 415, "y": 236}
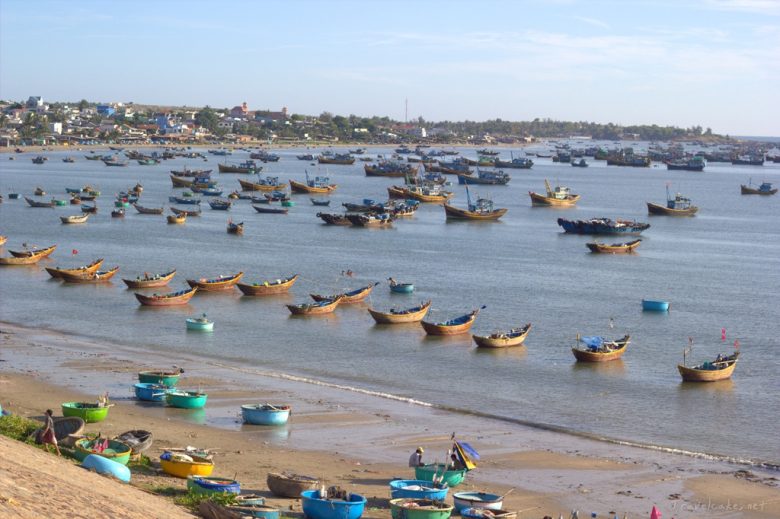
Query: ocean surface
{"x": 720, "y": 269}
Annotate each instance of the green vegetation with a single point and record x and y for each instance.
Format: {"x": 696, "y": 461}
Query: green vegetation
{"x": 18, "y": 427}
{"x": 192, "y": 499}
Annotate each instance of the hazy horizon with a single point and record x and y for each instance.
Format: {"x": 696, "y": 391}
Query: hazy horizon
{"x": 711, "y": 63}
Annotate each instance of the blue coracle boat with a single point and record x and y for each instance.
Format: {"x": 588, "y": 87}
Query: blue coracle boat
{"x": 655, "y": 306}
{"x": 316, "y": 508}
{"x": 400, "y": 288}
{"x": 265, "y": 414}
{"x": 602, "y": 226}
{"x": 418, "y": 489}
{"x": 150, "y": 392}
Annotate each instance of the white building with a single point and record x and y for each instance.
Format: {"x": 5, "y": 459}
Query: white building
{"x": 55, "y": 128}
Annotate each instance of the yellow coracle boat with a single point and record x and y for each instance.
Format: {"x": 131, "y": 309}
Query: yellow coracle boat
{"x": 185, "y": 465}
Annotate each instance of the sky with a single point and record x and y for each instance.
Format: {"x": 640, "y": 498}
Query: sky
{"x": 714, "y": 63}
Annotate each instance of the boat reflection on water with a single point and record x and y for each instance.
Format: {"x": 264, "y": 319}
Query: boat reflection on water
{"x": 273, "y": 435}
{"x": 196, "y": 416}
{"x": 614, "y": 367}
{"x": 519, "y": 351}
{"x": 719, "y": 386}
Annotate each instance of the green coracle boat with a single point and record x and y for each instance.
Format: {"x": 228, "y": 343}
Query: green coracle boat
{"x": 186, "y": 399}
{"x": 163, "y": 378}
{"x": 88, "y": 412}
{"x": 452, "y": 478}
{"x": 406, "y": 508}
{"x": 116, "y": 450}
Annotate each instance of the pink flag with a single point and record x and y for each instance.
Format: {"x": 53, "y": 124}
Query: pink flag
{"x": 723, "y": 334}
{"x": 655, "y": 514}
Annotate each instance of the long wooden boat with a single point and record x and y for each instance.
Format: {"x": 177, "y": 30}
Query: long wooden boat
{"x": 601, "y": 350}
{"x": 75, "y": 218}
{"x": 265, "y": 209}
{"x": 317, "y": 308}
{"x": 677, "y": 206}
{"x": 455, "y": 326}
{"x": 34, "y": 203}
{"x": 276, "y": 286}
{"x": 763, "y": 189}
{"x": 248, "y": 167}
{"x": 301, "y": 187}
{"x": 270, "y": 184}
{"x": 174, "y": 298}
{"x": 98, "y": 276}
{"x": 615, "y": 248}
{"x": 290, "y": 485}
{"x": 476, "y": 211}
{"x": 176, "y": 218}
{"x": 89, "y": 209}
{"x": 334, "y": 219}
{"x": 35, "y": 251}
{"x": 57, "y": 272}
{"x": 371, "y": 220}
{"x": 185, "y": 212}
{"x": 602, "y": 226}
{"x": 150, "y": 281}
{"x": 25, "y": 260}
{"x": 423, "y": 194}
{"x": 353, "y": 296}
{"x": 342, "y": 160}
{"x": 217, "y": 284}
{"x": 181, "y": 182}
{"x": 719, "y": 369}
{"x": 561, "y": 196}
{"x": 513, "y": 337}
{"x": 148, "y": 210}
{"x": 409, "y": 315}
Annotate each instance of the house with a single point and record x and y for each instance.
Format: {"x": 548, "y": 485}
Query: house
{"x": 240, "y": 112}
{"x": 106, "y": 110}
{"x": 268, "y": 117}
{"x": 55, "y": 128}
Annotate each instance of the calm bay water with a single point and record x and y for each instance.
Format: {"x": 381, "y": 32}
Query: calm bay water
{"x": 720, "y": 269}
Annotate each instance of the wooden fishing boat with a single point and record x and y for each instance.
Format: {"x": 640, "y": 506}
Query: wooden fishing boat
{"x": 186, "y": 399}
{"x": 184, "y": 200}
{"x": 150, "y": 281}
{"x": 417, "y": 508}
{"x": 185, "y": 212}
{"x": 235, "y": 228}
{"x": 454, "y": 326}
{"x": 371, "y": 220}
{"x": 677, "y": 206}
{"x": 615, "y": 248}
{"x": 75, "y": 218}
{"x": 338, "y": 159}
{"x": 186, "y": 172}
{"x": 168, "y": 378}
{"x": 34, "y": 251}
{"x": 513, "y": 337}
{"x": 485, "y": 177}
{"x": 290, "y": 485}
{"x": 34, "y": 203}
{"x": 266, "y": 209}
{"x": 248, "y": 166}
{"x": 89, "y": 209}
{"x": 183, "y": 465}
{"x": 216, "y": 284}
{"x": 429, "y": 193}
{"x": 89, "y": 412}
{"x": 176, "y": 218}
{"x": 482, "y": 209}
{"x": 408, "y": 315}
{"x": 118, "y": 213}
{"x": 719, "y": 369}
{"x": 91, "y": 277}
{"x": 269, "y": 184}
{"x": 600, "y": 350}
{"x": 560, "y": 196}
{"x": 75, "y": 199}
{"x": 316, "y": 308}
{"x": 137, "y": 439}
{"x": 181, "y": 297}
{"x": 278, "y": 286}
{"x": 148, "y": 210}
{"x": 602, "y": 226}
{"x": 265, "y": 414}
{"x": 57, "y": 272}
{"x": 334, "y": 219}
{"x": 353, "y": 296}
{"x": 319, "y": 185}
{"x": 181, "y": 182}
{"x": 26, "y": 260}
{"x": 116, "y": 451}
{"x": 764, "y": 189}
{"x": 39, "y": 191}
{"x": 346, "y": 506}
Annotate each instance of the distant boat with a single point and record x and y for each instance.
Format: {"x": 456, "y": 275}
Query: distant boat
{"x": 148, "y": 210}
{"x": 264, "y": 156}
{"x": 181, "y": 297}
{"x": 515, "y": 163}
{"x": 602, "y": 226}
{"x": 579, "y": 163}
{"x": 560, "y": 196}
{"x": 615, "y": 248}
{"x": 719, "y": 369}
{"x": 764, "y": 189}
{"x": 495, "y": 178}
{"x": 513, "y": 337}
{"x": 217, "y": 284}
{"x": 343, "y": 159}
{"x": 248, "y": 166}
{"x": 118, "y": 213}
{"x": 693, "y": 164}
{"x": 68, "y": 160}
{"x": 748, "y": 160}
{"x": 91, "y": 277}
{"x": 75, "y": 218}
{"x": 408, "y": 315}
{"x": 176, "y": 218}
{"x": 266, "y": 184}
{"x": 35, "y": 203}
{"x": 454, "y": 326}
{"x": 400, "y": 288}
{"x": 185, "y": 212}
{"x": 267, "y": 209}
{"x": 265, "y": 414}
{"x": 353, "y": 296}
{"x": 33, "y": 252}
{"x": 655, "y": 305}
{"x": 184, "y": 200}
{"x": 677, "y": 206}
{"x": 305, "y": 156}
{"x": 320, "y": 185}
{"x": 316, "y": 308}
{"x": 39, "y": 159}
{"x": 201, "y": 324}
{"x": 277, "y": 286}
{"x": 320, "y": 201}
{"x": 150, "y": 281}
{"x": 220, "y": 205}
{"x": 56, "y": 272}
{"x": 334, "y": 219}
{"x": 235, "y": 228}
{"x": 598, "y": 349}
{"x": 371, "y": 219}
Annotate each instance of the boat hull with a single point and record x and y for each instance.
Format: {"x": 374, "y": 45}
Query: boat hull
{"x": 477, "y": 500}
{"x": 196, "y": 325}
{"x": 314, "y": 309}
{"x": 455, "y": 213}
{"x": 116, "y": 451}
{"x": 590, "y": 356}
{"x": 449, "y": 329}
{"x": 162, "y": 378}
{"x": 150, "y": 392}
{"x": 745, "y": 190}
{"x": 87, "y": 269}
{"x": 200, "y": 485}
{"x": 300, "y": 187}
{"x": 316, "y": 508}
{"x": 706, "y": 375}
{"x": 451, "y": 478}
{"x": 399, "y": 318}
{"x": 265, "y": 415}
{"x": 615, "y": 248}
{"x": 103, "y": 465}
{"x": 541, "y": 200}
{"x": 406, "y": 508}
{"x": 504, "y": 340}
{"x": 667, "y": 211}
{"x": 280, "y": 286}
{"x": 216, "y": 285}
{"x": 90, "y": 413}
{"x": 402, "y": 288}
{"x": 428, "y": 490}
{"x": 158, "y": 281}
{"x": 290, "y": 485}
{"x": 185, "y": 469}
{"x": 655, "y": 306}
{"x": 186, "y": 399}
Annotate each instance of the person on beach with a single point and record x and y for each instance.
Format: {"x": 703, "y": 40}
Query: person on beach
{"x": 415, "y": 460}
{"x": 47, "y": 436}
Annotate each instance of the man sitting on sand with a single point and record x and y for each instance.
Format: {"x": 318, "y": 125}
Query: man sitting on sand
{"x": 47, "y": 436}
{"x": 415, "y": 460}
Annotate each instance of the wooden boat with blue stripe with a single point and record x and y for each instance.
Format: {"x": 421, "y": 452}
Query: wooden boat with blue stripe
{"x": 150, "y": 281}
{"x": 615, "y": 248}
{"x": 353, "y": 296}
{"x": 33, "y": 252}
{"x": 100, "y": 276}
{"x": 181, "y": 297}
{"x": 561, "y": 196}
{"x": 317, "y": 308}
{"x": 601, "y": 350}
{"x": 513, "y": 337}
{"x": 482, "y": 209}
{"x": 313, "y": 186}
{"x": 276, "y": 286}
{"x": 719, "y": 369}
{"x": 268, "y": 184}
{"x": 764, "y": 189}
{"x": 409, "y": 315}
{"x": 57, "y": 272}
{"x": 455, "y": 326}
{"x": 216, "y": 284}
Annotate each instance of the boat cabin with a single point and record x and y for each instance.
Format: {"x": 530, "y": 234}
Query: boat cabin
{"x": 678, "y": 202}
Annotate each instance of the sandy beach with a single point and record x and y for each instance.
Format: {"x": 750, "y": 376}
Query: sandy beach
{"x": 358, "y": 440}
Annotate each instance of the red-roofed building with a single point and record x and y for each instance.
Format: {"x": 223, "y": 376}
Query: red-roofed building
{"x": 240, "y": 111}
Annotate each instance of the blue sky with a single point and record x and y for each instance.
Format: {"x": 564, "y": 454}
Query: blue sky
{"x": 714, "y": 63}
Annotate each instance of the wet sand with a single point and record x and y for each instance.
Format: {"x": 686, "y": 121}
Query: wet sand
{"x": 361, "y": 441}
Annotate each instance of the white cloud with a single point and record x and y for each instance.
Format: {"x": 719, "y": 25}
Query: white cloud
{"x": 593, "y": 21}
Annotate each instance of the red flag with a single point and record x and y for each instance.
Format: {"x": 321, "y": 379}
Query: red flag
{"x": 74, "y": 252}
{"x": 736, "y": 344}
{"x": 723, "y": 334}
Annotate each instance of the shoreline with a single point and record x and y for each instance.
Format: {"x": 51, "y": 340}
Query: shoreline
{"x": 549, "y": 467}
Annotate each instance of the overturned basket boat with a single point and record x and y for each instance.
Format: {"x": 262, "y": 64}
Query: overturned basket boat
{"x": 290, "y": 485}
{"x": 66, "y": 429}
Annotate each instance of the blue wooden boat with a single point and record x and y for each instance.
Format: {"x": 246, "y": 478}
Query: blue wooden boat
{"x": 418, "y": 489}
{"x": 210, "y": 485}
{"x": 265, "y": 414}
{"x": 602, "y": 226}
{"x": 186, "y": 399}
{"x": 315, "y": 507}
{"x": 655, "y": 306}
{"x": 150, "y": 392}
{"x": 400, "y": 288}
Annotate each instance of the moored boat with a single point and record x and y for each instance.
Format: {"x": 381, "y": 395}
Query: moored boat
{"x": 267, "y": 184}
{"x": 560, "y": 196}
{"x": 320, "y": 185}
{"x": 316, "y": 308}
{"x": 98, "y": 276}
{"x": 277, "y": 286}
{"x": 764, "y": 189}
{"x": 342, "y": 159}
{"x": 216, "y": 284}
{"x": 513, "y": 337}
{"x": 185, "y": 212}
{"x": 181, "y": 297}
{"x": 598, "y": 349}
{"x": 353, "y": 296}
{"x": 164, "y": 377}
{"x": 265, "y": 414}
{"x": 440, "y": 473}
{"x": 417, "y": 489}
{"x": 602, "y": 226}
{"x": 655, "y": 305}
{"x": 150, "y": 280}
{"x": 248, "y": 166}
{"x": 220, "y": 205}
{"x": 334, "y": 219}
{"x": 235, "y": 228}
{"x": 176, "y": 218}
{"x": 371, "y": 220}
{"x": 56, "y": 272}
{"x": 113, "y": 450}
{"x": 481, "y": 209}
{"x": 35, "y": 203}
{"x": 693, "y": 164}
{"x": 677, "y": 206}
{"x": 268, "y": 209}
{"x": 290, "y": 485}
{"x": 320, "y": 201}
{"x": 37, "y": 252}
{"x": 454, "y": 326}
{"x": 485, "y": 177}
{"x": 477, "y": 500}
{"x": 148, "y": 210}
{"x": 615, "y": 248}
{"x": 75, "y": 218}
{"x": 200, "y": 324}
{"x": 149, "y": 392}
{"x": 400, "y": 288}
{"x": 711, "y": 371}
{"x": 408, "y": 315}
